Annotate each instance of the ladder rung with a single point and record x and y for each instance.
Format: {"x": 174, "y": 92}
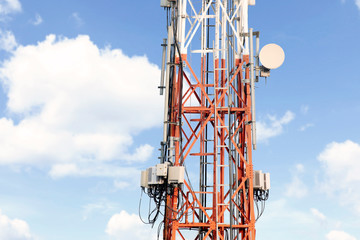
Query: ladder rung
{"x": 222, "y": 126}
{"x": 220, "y": 68}
{"x": 221, "y": 146}
{"x": 221, "y": 87}
{"x": 198, "y": 119}
{"x": 202, "y": 51}
{"x": 206, "y": 16}
{"x": 223, "y": 204}
{"x": 222, "y": 165}
{"x": 201, "y": 154}
{"x": 209, "y": 140}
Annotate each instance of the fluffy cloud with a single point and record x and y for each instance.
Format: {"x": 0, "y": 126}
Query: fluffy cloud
{"x": 357, "y": 2}
{"x": 128, "y": 226}
{"x": 341, "y": 166}
{"x": 76, "y": 107}
{"x": 306, "y": 126}
{"x": 317, "y": 214}
{"x": 283, "y": 219}
{"x": 37, "y": 21}
{"x": 304, "y": 109}
{"x": 96, "y": 170}
{"x": 286, "y": 219}
{"x": 339, "y": 235}
{"x": 273, "y": 126}
{"x": 103, "y": 207}
{"x": 7, "y": 41}
{"x": 9, "y": 6}
{"x": 14, "y": 229}
{"x": 296, "y": 188}
{"x": 77, "y": 19}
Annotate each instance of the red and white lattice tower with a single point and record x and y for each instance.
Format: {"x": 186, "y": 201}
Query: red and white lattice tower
{"x": 208, "y": 81}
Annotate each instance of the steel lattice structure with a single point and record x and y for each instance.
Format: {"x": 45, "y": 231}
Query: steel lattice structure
{"x": 217, "y": 128}
{"x": 209, "y": 122}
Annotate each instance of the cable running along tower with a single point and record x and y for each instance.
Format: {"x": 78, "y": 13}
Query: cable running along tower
{"x": 204, "y": 186}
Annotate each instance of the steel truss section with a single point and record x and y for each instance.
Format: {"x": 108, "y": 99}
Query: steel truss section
{"x": 210, "y": 122}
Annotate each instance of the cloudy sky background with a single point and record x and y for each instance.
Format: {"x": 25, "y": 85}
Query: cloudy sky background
{"x": 81, "y": 116}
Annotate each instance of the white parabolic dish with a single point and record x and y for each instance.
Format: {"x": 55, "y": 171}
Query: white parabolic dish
{"x": 272, "y": 56}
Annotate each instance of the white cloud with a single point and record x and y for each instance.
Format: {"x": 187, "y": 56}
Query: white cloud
{"x": 121, "y": 184}
{"x": 304, "y": 109}
{"x": 78, "y": 20}
{"x": 7, "y": 41}
{"x": 289, "y": 219}
{"x": 296, "y": 188}
{"x": 341, "y": 167}
{"x": 61, "y": 170}
{"x": 128, "y": 226}
{"x": 14, "y": 229}
{"x": 339, "y": 235}
{"x": 357, "y": 2}
{"x": 273, "y": 126}
{"x": 281, "y": 220}
{"x": 306, "y": 126}
{"x": 37, "y": 21}
{"x": 76, "y": 107}
{"x": 103, "y": 206}
{"x": 96, "y": 170}
{"x": 300, "y": 168}
{"x": 9, "y": 6}
{"x": 319, "y": 215}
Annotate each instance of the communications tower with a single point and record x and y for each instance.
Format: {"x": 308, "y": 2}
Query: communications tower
{"x": 204, "y": 186}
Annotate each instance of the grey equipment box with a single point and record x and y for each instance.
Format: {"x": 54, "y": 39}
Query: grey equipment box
{"x": 176, "y": 174}
{"x": 153, "y": 178}
{"x": 164, "y": 3}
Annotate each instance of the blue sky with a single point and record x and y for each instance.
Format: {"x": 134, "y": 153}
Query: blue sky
{"x": 81, "y": 116}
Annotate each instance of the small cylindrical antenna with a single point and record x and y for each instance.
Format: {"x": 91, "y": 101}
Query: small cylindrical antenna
{"x": 163, "y": 67}
{"x": 252, "y": 82}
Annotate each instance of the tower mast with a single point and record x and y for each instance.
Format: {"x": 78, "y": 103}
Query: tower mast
{"x": 215, "y": 127}
{"x": 209, "y": 123}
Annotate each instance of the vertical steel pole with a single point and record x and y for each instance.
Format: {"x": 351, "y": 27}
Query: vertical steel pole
{"x": 166, "y": 105}
{"x": 163, "y": 67}
{"x": 257, "y": 56}
{"x": 245, "y": 23}
{"x": 252, "y": 83}
{"x": 182, "y": 27}
{"x": 203, "y": 149}
{"x": 216, "y": 84}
